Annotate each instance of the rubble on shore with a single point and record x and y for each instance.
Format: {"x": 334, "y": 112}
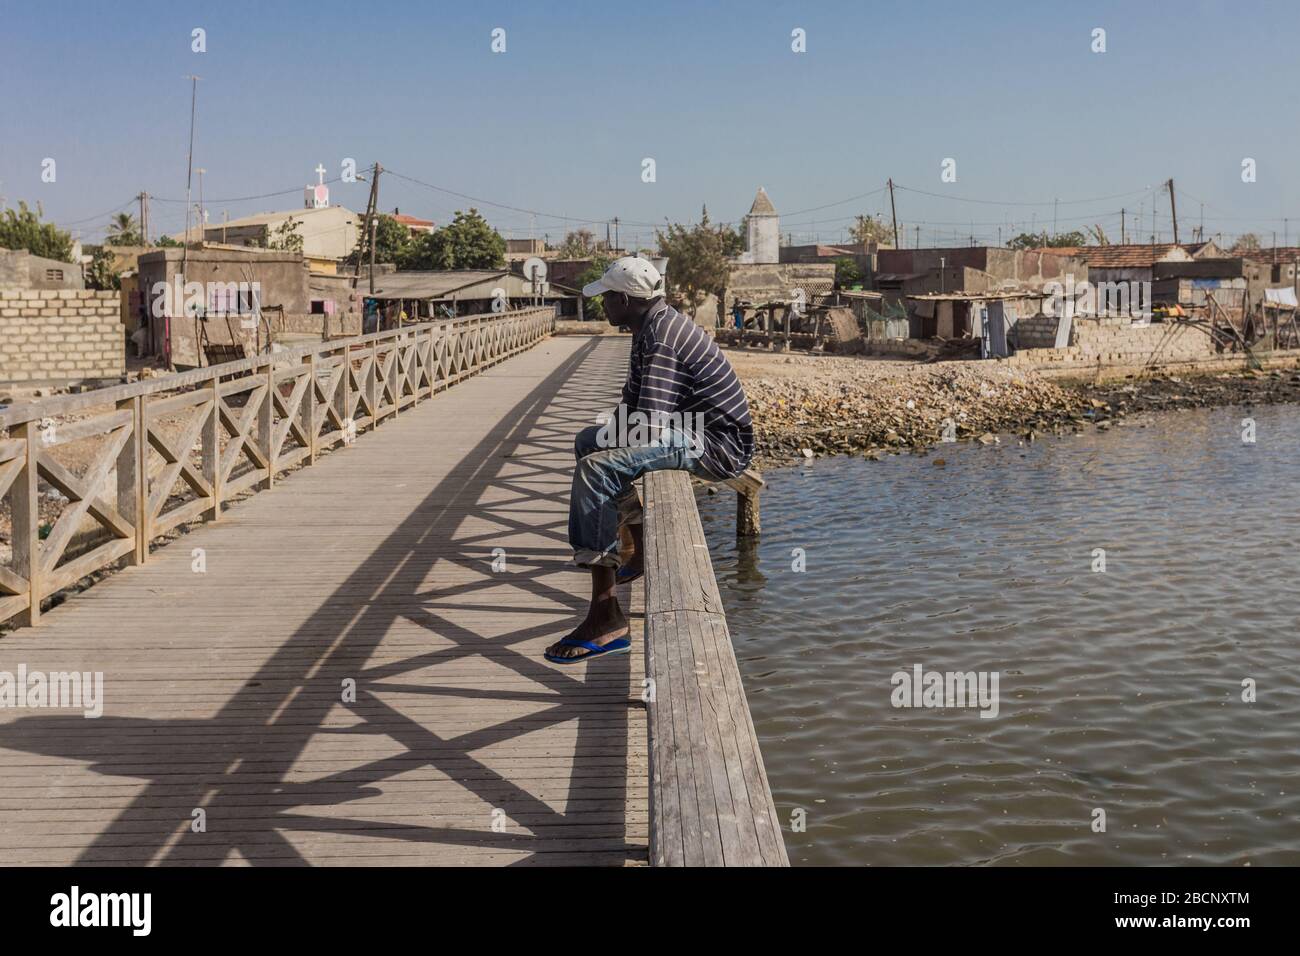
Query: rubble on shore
{"x": 811, "y": 406}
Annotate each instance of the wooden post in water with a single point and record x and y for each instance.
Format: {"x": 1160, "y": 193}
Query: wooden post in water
{"x": 748, "y": 524}
{"x": 747, "y": 485}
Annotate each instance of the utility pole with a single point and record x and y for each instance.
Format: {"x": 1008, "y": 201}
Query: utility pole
{"x": 374, "y": 229}
{"x": 918, "y": 238}
{"x": 225, "y": 217}
{"x": 616, "y": 246}
{"x": 185, "y": 245}
{"x": 144, "y": 216}
{"x": 367, "y": 233}
{"x": 203, "y": 213}
{"x": 1123, "y": 239}
{"x": 1173, "y": 209}
{"x": 189, "y": 170}
{"x": 893, "y": 212}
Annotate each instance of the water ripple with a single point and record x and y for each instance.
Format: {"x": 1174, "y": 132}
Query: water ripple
{"x": 1119, "y": 691}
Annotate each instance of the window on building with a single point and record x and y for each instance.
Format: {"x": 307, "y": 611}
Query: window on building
{"x": 53, "y": 275}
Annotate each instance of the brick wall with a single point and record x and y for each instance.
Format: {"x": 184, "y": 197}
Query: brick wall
{"x": 60, "y": 335}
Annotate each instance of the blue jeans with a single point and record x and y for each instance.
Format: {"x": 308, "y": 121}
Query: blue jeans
{"x": 603, "y": 494}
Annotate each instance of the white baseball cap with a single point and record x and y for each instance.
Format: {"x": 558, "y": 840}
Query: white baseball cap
{"x": 631, "y": 275}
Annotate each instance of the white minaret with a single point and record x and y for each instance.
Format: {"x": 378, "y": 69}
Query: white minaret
{"x": 762, "y": 231}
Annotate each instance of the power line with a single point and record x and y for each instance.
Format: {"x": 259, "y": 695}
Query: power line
{"x": 1002, "y": 202}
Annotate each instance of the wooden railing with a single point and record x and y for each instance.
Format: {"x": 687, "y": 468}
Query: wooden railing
{"x": 183, "y": 445}
{"x": 710, "y": 804}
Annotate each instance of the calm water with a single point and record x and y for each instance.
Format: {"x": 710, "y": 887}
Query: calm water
{"x": 1119, "y": 690}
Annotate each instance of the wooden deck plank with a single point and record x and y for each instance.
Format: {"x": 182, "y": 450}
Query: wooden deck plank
{"x": 223, "y": 689}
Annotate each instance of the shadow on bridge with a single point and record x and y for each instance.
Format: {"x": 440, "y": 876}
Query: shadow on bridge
{"x": 423, "y": 793}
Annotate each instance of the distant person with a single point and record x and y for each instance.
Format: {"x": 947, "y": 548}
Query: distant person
{"x": 738, "y": 316}
{"x": 682, "y": 408}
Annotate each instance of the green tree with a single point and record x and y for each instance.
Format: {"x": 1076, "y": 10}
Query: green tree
{"x": 594, "y": 308}
{"x": 733, "y": 240}
{"x": 22, "y": 229}
{"x": 1246, "y": 242}
{"x": 871, "y": 229}
{"x": 1038, "y": 240}
{"x": 467, "y": 242}
{"x": 847, "y": 273}
{"x": 123, "y": 231}
{"x": 578, "y": 244}
{"x": 101, "y": 274}
{"x": 697, "y": 259}
{"x": 167, "y": 242}
{"x": 286, "y": 237}
{"x": 393, "y": 243}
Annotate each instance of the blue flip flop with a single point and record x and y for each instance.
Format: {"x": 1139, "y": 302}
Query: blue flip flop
{"x": 621, "y": 578}
{"x": 620, "y": 646}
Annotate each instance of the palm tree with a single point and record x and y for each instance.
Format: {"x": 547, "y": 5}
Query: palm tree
{"x": 123, "y": 231}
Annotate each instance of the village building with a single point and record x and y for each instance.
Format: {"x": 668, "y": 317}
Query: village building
{"x": 759, "y": 276}
{"x": 457, "y": 292}
{"x": 293, "y": 303}
{"x": 327, "y": 233}
{"x": 20, "y": 269}
{"x": 412, "y": 223}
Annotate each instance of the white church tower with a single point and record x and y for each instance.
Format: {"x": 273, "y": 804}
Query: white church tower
{"x": 762, "y": 231}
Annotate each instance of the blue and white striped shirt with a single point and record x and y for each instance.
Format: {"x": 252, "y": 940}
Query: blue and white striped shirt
{"x": 676, "y": 368}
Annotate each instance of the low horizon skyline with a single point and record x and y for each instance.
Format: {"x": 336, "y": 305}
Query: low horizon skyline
{"x": 1038, "y": 130}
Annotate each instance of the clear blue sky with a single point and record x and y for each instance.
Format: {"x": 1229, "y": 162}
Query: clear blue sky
{"x": 561, "y": 121}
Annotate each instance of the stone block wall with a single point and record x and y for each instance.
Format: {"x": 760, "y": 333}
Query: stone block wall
{"x": 1109, "y": 342}
{"x": 1036, "y": 332}
{"x": 60, "y": 335}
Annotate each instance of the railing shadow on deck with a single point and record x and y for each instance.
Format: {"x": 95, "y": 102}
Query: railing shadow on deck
{"x": 261, "y": 730}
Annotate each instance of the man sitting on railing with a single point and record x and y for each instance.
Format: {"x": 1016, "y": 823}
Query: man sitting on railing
{"x": 682, "y": 408}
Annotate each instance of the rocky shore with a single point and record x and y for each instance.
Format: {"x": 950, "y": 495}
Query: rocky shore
{"x": 807, "y": 406}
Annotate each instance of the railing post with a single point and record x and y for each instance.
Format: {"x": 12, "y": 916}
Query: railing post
{"x": 310, "y": 423}
{"x": 27, "y": 523}
{"x": 212, "y": 448}
{"x": 394, "y": 377}
{"x": 265, "y": 418}
{"x": 344, "y": 397}
{"x": 372, "y": 385}
{"x": 131, "y": 500}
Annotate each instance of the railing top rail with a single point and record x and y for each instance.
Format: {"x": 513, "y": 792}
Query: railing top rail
{"x": 711, "y": 804}
{"x": 64, "y": 404}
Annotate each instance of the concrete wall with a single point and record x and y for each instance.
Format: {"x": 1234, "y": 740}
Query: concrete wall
{"x": 762, "y": 239}
{"x": 60, "y": 335}
{"x": 976, "y": 268}
{"x": 19, "y": 268}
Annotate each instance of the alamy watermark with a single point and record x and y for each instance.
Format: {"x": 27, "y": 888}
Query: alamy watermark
{"x": 637, "y": 429}
{"x": 1098, "y": 298}
{"x": 82, "y": 690}
{"x": 243, "y": 299}
{"x": 939, "y": 689}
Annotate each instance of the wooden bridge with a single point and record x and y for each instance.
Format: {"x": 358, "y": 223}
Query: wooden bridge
{"x": 346, "y": 668}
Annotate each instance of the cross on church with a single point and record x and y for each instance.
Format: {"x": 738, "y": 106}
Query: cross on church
{"x": 320, "y": 172}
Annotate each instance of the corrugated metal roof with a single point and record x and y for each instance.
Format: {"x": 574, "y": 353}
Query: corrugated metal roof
{"x": 429, "y": 285}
